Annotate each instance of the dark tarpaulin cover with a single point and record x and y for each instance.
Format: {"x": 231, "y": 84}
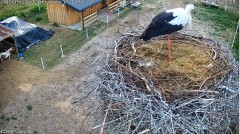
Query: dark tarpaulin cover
{"x": 27, "y": 34}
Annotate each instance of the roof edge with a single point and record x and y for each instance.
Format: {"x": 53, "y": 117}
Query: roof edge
{"x": 69, "y": 5}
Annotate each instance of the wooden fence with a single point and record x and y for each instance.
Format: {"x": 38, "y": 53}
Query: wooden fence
{"x": 87, "y": 21}
{"x": 114, "y": 6}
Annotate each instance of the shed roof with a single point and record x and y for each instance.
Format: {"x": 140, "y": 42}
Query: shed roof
{"x": 80, "y": 5}
{"x": 5, "y": 32}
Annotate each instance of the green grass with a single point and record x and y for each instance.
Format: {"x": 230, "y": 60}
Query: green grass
{"x": 28, "y": 12}
{"x": 235, "y": 48}
{"x": 71, "y": 40}
{"x": 50, "y": 49}
{"x": 223, "y": 22}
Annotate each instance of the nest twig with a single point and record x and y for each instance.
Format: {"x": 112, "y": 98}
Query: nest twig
{"x": 143, "y": 103}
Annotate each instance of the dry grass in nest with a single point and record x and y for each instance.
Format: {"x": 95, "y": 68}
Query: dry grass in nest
{"x": 187, "y": 59}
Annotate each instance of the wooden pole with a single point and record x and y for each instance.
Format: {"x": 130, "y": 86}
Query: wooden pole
{"x": 39, "y": 8}
{"x": 61, "y": 48}
{"x": 87, "y": 32}
{"x": 82, "y": 21}
{"x": 15, "y": 45}
{"x": 118, "y": 12}
{"x": 235, "y": 36}
{"x": 42, "y": 63}
{"x": 107, "y": 20}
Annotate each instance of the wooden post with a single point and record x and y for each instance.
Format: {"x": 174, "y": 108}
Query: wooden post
{"x": 87, "y": 32}
{"x": 39, "y": 7}
{"x": 82, "y": 21}
{"x": 62, "y": 51}
{"x": 138, "y": 13}
{"x": 15, "y": 45}
{"x": 107, "y": 20}
{"x": 118, "y": 12}
{"x": 235, "y": 36}
{"x": 42, "y": 63}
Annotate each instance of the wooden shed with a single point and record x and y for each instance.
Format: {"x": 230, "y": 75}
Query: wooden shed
{"x": 66, "y": 13}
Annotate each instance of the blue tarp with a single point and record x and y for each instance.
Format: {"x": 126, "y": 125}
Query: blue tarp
{"x": 27, "y": 34}
{"x": 80, "y": 5}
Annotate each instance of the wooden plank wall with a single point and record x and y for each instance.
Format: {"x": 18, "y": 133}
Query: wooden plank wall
{"x": 90, "y": 19}
{"x": 92, "y": 9}
{"x": 110, "y": 1}
{"x": 62, "y": 14}
{"x": 114, "y": 6}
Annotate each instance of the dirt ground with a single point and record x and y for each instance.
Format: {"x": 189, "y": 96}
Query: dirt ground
{"x": 39, "y": 101}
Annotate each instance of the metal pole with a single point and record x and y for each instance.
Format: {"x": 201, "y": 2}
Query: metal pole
{"x": 107, "y": 20}
{"x": 87, "y": 32}
{"x": 138, "y": 13}
{"x": 39, "y": 8}
{"x": 118, "y": 12}
{"x": 42, "y": 63}
{"x": 235, "y": 35}
{"x": 15, "y": 43}
{"x": 62, "y": 51}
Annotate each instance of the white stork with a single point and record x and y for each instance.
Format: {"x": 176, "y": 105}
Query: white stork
{"x": 168, "y": 22}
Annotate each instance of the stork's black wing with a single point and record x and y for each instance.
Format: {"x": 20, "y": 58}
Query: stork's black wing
{"x": 161, "y": 19}
{"x": 158, "y": 26}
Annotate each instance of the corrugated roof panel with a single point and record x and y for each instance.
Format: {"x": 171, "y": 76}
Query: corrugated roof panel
{"x": 80, "y": 5}
{"x": 5, "y": 32}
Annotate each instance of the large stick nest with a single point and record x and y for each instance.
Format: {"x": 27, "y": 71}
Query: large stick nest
{"x": 196, "y": 93}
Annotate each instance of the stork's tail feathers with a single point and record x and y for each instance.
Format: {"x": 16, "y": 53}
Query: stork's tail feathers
{"x": 150, "y": 32}
{"x": 145, "y": 35}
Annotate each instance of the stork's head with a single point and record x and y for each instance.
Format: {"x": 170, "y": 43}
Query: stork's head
{"x": 189, "y": 7}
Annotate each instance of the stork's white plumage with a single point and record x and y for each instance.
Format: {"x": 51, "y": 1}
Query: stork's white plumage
{"x": 183, "y": 17}
{"x": 168, "y": 22}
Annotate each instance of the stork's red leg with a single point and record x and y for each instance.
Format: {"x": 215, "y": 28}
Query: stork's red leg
{"x": 169, "y": 49}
